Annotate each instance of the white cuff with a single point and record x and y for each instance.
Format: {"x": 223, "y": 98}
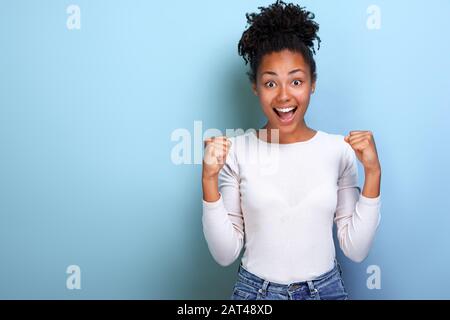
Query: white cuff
{"x": 370, "y": 201}
{"x": 214, "y": 204}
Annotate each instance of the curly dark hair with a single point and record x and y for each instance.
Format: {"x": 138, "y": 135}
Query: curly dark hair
{"x": 277, "y": 27}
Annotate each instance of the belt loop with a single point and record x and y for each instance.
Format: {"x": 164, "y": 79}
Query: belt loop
{"x": 264, "y": 287}
{"x": 312, "y": 289}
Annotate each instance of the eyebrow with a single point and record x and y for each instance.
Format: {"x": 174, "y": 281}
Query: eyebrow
{"x": 290, "y": 72}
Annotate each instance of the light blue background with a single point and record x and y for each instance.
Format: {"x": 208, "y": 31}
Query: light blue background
{"x": 86, "y": 117}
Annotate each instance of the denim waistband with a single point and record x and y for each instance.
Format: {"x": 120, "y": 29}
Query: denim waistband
{"x": 255, "y": 281}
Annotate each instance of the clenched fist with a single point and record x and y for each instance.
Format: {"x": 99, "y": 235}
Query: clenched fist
{"x": 216, "y": 150}
{"x": 363, "y": 143}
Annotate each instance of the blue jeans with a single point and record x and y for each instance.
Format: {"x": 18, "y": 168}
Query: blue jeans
{"x": 328, "y": 286}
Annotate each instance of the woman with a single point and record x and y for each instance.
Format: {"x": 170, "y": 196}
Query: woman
{"x": 286, "y": 216}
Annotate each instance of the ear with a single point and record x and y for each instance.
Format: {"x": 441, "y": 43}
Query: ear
{"x": 313, "y": 87}
{"x": 254, "y": 88}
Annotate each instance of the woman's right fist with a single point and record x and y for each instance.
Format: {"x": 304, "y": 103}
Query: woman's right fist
{"x": 216, "y": 150}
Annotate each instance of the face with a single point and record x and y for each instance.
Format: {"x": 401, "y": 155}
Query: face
{"x": 283, "y": 86}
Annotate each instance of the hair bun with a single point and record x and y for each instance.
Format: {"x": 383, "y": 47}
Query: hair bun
{"x": 276, "y": 27}
{"x": 284, "y": 20}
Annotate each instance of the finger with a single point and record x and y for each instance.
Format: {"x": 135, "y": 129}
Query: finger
{"x": 218, "y": 141}
{"x": 209, "y": 155}
{"x": 208, "y": 144}
{"x": 211, "y": 147}
{"x": 360, "y": 145}
{"x": 219, "y": 138}
{"x": 215, "y": 154}
{"x": 207, "y": 141}
{"x": 220, "y": 149}
{"x": 358, "y": 135}
{"x": 356, "y": 139}
{"x": 221, "y": 158}
{"x": 355, "y": 132}
{"x": 349, "y": 137}
{"x": 224, "y": 140}
{"x": 216, "y": 150}
{"x": 216, "y": 144}
{"x": 221, "y": 145}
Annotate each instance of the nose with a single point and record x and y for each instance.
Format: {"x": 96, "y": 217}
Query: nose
{"x": 283, "y": 95}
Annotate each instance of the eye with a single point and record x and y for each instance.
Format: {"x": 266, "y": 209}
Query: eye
{"x": 266, "y": 84}
{"x": 298, "y": 81}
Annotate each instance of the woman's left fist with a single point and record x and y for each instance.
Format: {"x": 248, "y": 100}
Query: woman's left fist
{"x": 364, "y": 145}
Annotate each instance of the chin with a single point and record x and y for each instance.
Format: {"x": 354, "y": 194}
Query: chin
{"x": 284, "y": 128}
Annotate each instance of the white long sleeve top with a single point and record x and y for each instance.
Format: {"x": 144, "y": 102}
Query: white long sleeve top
{"x": 279, "y": 201}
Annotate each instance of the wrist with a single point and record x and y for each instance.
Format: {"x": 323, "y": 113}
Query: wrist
{"x": 210, "y": 188}
{"x": 210, "y": 178}
{"x": 374, "y": 171}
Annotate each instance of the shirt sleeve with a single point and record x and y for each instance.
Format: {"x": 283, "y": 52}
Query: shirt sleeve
{"x": 223, "y": 222}
{"x": 357, "y": 217}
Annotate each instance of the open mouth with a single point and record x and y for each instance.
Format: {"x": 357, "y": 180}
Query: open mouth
{"x": 285, "y": 115}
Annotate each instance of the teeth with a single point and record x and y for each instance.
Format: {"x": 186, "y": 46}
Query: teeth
{"x": 285, "y": 109}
